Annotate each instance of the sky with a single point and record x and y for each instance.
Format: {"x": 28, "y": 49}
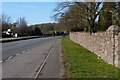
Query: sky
{"x": 34, "y": 12}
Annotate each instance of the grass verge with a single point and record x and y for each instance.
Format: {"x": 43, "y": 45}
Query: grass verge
{"x": 82, "y": 63}
{"x": 17, "y": 39}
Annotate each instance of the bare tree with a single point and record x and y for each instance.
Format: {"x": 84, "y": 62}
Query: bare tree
{"x": 84, "y": 13}
{"x": 5, "y": 22}
{"x": 22, "y": 24}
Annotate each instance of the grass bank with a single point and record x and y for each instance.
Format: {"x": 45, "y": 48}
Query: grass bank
{"x": 84, "y": 64}
{"x": 17, "y": 39}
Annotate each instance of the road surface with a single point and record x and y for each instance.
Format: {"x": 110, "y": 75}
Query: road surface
{"x": 18, "y": 47}
{"x": 30, "y": 56}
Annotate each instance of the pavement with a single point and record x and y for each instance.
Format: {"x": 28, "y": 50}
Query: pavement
{"x": 27, "y": 64}
{"x": 52, "y": 67}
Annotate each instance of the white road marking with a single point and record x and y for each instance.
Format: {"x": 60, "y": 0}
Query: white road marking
{"x": 28, "y": 49}
{"x": 1, "y": 61}
{"x": 17, "y": 54}
{"x": 10, "y": 57}
{"x": 23, "y": 51}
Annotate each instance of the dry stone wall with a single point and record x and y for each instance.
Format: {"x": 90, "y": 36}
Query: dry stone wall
{"x": 105, "y": 44}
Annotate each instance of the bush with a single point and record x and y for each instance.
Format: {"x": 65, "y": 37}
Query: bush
{"x": 6, "y": 35}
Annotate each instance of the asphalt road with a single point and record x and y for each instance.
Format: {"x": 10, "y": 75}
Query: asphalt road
{"x": 18, "y": 47}
{"x": 27, "y": 64}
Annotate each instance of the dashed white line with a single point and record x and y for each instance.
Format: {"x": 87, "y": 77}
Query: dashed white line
{"x": 1, "y": 61}
{"x": 23, "y": 52}
{"x": 28, "y": 49}
{"x": 10, "y": 57}
{"x": 17, "y": 54}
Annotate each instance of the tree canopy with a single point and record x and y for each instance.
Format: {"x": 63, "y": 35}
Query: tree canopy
{"x": 87, "y": 16}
